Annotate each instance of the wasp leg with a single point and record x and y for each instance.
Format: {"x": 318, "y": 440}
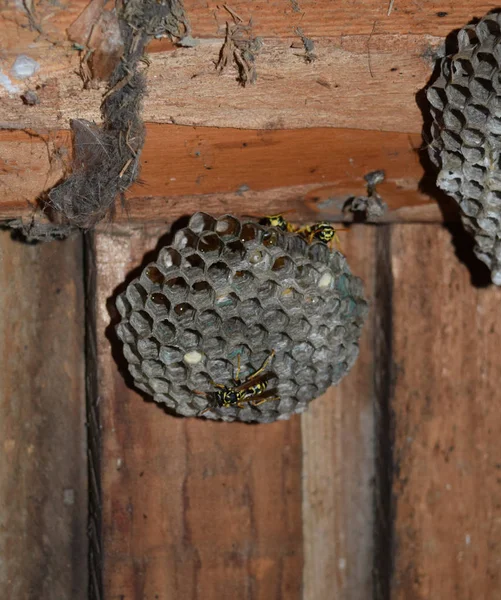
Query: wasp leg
{"x": 217, "y": 385}
{"x": 261, "y": 368}
{"x": 254, "y": 403}
{"x": 203, "y": 411}
{"x": 336, "y": 239}
{"x": 292, "y": 228}
{"x": 337, "y": 246}
{"x": 237, "y": 378}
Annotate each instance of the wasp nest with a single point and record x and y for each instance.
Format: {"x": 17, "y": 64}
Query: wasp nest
{"x": 466, "y": 134}
{"x": 230, "y": 293}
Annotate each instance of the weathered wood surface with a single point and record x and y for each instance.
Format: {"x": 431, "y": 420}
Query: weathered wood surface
{"x": 333, "y": 91}
{"x": 185, "y": 88}
{"x": 447, "y": 418}
{"x": 191, "y": 509}
{"x": 31, "y": 163}
{"x": 43, "y": 469}
{"x": 365, "y": 57}
{"x": 338, "y": 464}
{"x": 313, "y": 171}
{"x": 187, "y": 169}
{"x": 318, "y": 18}
{"x": 324, "y": 18}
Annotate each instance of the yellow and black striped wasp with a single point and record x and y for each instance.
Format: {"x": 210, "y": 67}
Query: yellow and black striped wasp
{"x": 278, "y": 221}
{"x": 322, "y": 231}
{"x": 252, "y": 389}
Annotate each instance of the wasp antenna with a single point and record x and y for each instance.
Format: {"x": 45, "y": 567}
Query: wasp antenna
{"x": 287, "y": 211}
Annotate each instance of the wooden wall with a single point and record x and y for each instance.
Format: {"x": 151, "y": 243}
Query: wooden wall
{"x": 43, "y": 471}
{"x": 389, "y": 486}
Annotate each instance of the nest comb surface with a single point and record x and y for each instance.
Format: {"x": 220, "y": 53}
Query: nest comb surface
{"x": 466, "y": 134}
{"x": 227, "y": 292}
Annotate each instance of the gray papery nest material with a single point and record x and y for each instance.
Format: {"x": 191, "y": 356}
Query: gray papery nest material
{"x": 372, "y": 206}
{"x": 465, "y": 105}
{"x": 230, "y": 291}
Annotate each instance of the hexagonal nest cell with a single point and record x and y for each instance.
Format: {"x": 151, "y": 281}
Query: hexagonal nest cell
{"x": 465, "y": 104}
{"x": 229, "y": 297}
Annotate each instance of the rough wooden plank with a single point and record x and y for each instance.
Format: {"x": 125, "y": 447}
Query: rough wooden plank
{"x": 364, "y": 57}
{"x": 30, "y": 164}
{"x": 338, "y": 465}
{"x": 32, "y": 27}
{"x": 333, "y": 91}
{"x": 279, "y": 18}
{"x": 188, "y": 169}
{"x": 43, "y": 490}
{"x": 186, "y": 161}
{"x": 350, "y": 74}
{"x": 447, "y": 417}
{"x": 191, "y": 509}
{"x": 324, "y": 18}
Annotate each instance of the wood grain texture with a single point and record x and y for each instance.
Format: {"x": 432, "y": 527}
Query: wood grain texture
{"x": 333, "y": 91}
{"x": 191, "y": 509}
{"x": 278, "y": 18}
{"x": 447, "y": 417}
{"x": 43, "y": 470}
{"x": 186, "y": 169}
{"x": 46, "y": 27}
{"x": 338, "y": 465}
{"x": 31, "y": 163}
{"x": 383, "y": 386}
{"x": 324, "y": 18}
{"x": 184, "y": 87}
{"x": 365, "y": 57}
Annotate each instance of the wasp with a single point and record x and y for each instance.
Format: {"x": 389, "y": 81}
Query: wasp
{"x": 278, "y": 221}
{"x": 322, "y": 231}
{"x": 251, "y": 389}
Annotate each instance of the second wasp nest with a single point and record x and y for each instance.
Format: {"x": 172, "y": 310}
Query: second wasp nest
{"x": 230, "y": 294}
{"x": 466, "y": 134}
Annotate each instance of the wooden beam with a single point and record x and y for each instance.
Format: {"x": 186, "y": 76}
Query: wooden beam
{"x": 256, "y": 172}
{"x": 338, "y": 464}
{"x": 31, "y": 163}
{"x": 43, "y": 467}
{"x": 323, "y": 18}
{"x": 364, "y": 58}
{"x": 447, "y": 417}
{"x": 350, "y": 75}
{"x": 336, "y": 90}
{"x": 34, "y": 27}
{"x": 317, "y": 18}
{"x": 190, "y": 508}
